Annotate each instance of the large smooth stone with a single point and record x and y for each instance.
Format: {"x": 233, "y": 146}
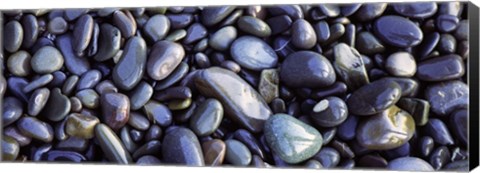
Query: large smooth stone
{"x": 254, "y": 26}
{"x": 47, "y": 60}
{"x": 388, "y": 129}
{"x": 112, "y": 148}
{"x": 158, "y": 113}
{"x": 445, "y": 97}
{"x": 109, "y": 42}
{"x": 438, "y": 130}
{"x": 253, "y": 53}
{"x": 12, "y": 36}
{"x": 37, "y": 101}
{"x": 398, "y": 31}
{"x": 130, "y": 68}
{"x": 115, "y": 109}
{"x": 213, "y": 15}
{"x": 214, "y": 152}
{"x": 156, "y": 27}
{"x": 374, "y": 97}
{"x": 349, "y": 66}
{"x": 237, "y": 153}
{"x": 292, "y": 140}
{"x": 441, "y": 68}
{"x": 303, "y": 34}
{"x": 329, "y": 112}
{"x": 81, "y": 126}
{"x": 241, "y": 102}
{"x": 164, "y": 58}
{"x": 12, "y": 110}
{"x": 420, "y": 10}
{"x": 207, "y": 117}
{"x": 82, "y": 34}
{"x": 57, "y": 107}
{"x": 409, "y": 164}
{"x": 181, "y": 146}
{"x": 307, "y": 69}
{"x": 35, "y": 129}
{"x": 74, "y": 64}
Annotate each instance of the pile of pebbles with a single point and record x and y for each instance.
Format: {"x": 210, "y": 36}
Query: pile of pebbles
{"x": 375, "y": 85}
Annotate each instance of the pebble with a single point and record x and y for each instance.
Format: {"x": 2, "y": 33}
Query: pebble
{"x": 419, "y": 10}
{"x": 303, "y": 34}
{"x": 250, "y": 142}
{"x": 179, "y": 73}
{"x": 69, "y": 84}
{"x": 409, "y": 164}
{"x": 458, "y": 125}
{"x": 439, "y": 131}
{"x": 148, "y": 160}
{"x": 398, "y": 31}
{"x": 10, "y": 149}
{"x": 81, "y": 126}
{"x": 307, "y": 69}
{"x": 37, "y": 101}
{"x": 181, "y": 146}
{"x": 247, "y": 108}
{"x": 13, "y": 132}
{"x": 57, "y": 26}
{"x": 328, "y": 157}
{"x": 112, "y": 147}
{"x": 426, "y": 145}
{"x": 89, "y": 98}
{"x": 268, "y": 85}
{"x": 149, "y": 148}
{"x": 74, "y": 64}
{"x": 386, "y": 130}
{"x": 178, "y": 21}
{"x": 447, "y": 22}
{"x": 401, "y": 64}
{"x": 253, "y": 53}
{"x": 124, "y": 23}
{"x": 293, "y": 11}
{"x": 37, "y": 83}
{"x": 367, "y": 43}
{"x": 207, "y": 117}
{"x": 13, "y": 36}
{"x": 115, "y": 109}
{"x": 195, "y": 33}
{"x": 213, "y": 15}
{"x": 89, "y": 79}
{"x": 130, "y": 68}
{"x": 57, "y": 107}
{"x": 158, "y": 113}
{"x": 164, "y": 58}
{"x": 418, "y": 108}
{"x": 254, "y": 26}
{"x": 347, "y": 130}
{"x": 237, "y": 153}
{"x": 223, "y": 38}
{"x": 109, "y": 42}
{"x": 439, "y": 157}
{"x": 214, "y": 152}
{"x": 36, "y": 129}
{"x": 19, "y": 64}
{"x": 293, "y": 140}
{"x": 82, "y": 34}
{"x": 140, "y": 95}
{"x": 445, "y": 97}
{"x": 12, "y": 110}
{"x": 329, "y": 112}
{"x": 156, "y": 27}
{"x": 349, "y": 66}
{"x": 279, "y": 24}
{"x": 369, "y": 11}
{"x": 374, "y": 98}
{"x": 47, "y": 60}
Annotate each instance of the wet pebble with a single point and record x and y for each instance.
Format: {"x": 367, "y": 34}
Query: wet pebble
{"x": 409, "y": 164}
{"x": 57, "y": 107}
{"x": 37, "y": 101}
{"x": 329, "y": 112}
{"x": 163, "y": 59}
{"x": 36, "y": 129}
{"x": 156, "y": 27}
{"x": 223, "y": 38}
{"x": 47, "y": 60}
{"x": 89, "y": 98}
{"x": 115, "y": 109}
{"x": 374, "y": 98}
{"x": 12, "y": 109}
{"x": 401, "y": 64}
{"x": 445, "y": 97}
{"x": 253, "y": 53}
{"x": 207, "y": 117}
{"x": 19, "y": 63}
{"x": 307, "y": 69}
{"x": 254, "y": 26}
{"x": 13, "y": 36}
{"x": 237, "y": 153}
{"x": 439, "y": 131}
{"x": 158, "y": 113}
{"x": 130, "y": 68}
{"x": 111, "y": 145}
{"x": 303, "y": 34}
{"x": 181, "y": 146}
{"x": 398, "y": 31}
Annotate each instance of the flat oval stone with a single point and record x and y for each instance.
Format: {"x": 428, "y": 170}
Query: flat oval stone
{"x": 214, "y": 152}
{"x": 441, "y": 68}
{"x": 111, "y": 145}
{"x": 36, "y": 129}
{"x": 370, "y": 11}
{"x": 374, "y": 97}
{"x": 37, "y": 101}
{"x": 164, "y": 58}
{"x": 293, "y": 140}
{"x": 439, "y": 132}
{"x": 181, "y": 146}
{"x": 81, "y": 126}
{"x": 140, "y": 95}
{"x": 445, "y": 97}
{"x": 447, "y": 22}
{"x": 367, "y": 43}
{"x": 253, "y": 53}
{"x": 247, "y": 107}
{"x": 307, "y": 69}
{"x": 254, "y": 26}
{"x": 420, "y": 10}
{"x": 195, "y": 33}
{"x": 69, "y": 84}
{"x": 138, "y": 121}
{"x": 388, "y": 129}
{"x": 115, "y": 109}
{"x": 409, "y": 164}
{"x": 75, "y": 64}
{"x": 223, "y": 38}
{"x": 398, "y": 31}
{"x": 82, "y": 33}
{"x": 47, "y": 60}
{"x": 10, "y": 149}
{"x": 89, "y": 98}
{"x": 38, "y": 82}
{"x": 329, "y": 112}
{"x": 458, "y": 125}
{"x": 428, "y": 45}
{"x": 12, "y": 109}
{"x": 349, "y": 66}
{"x": 207, "y": 117}
{"x": 124, "y": 23}
{"x": 12, "y": 36}
{"x": 158, "y": 113}
{"x": 401, "y": 64}
{"x": 303, "y": 34}
{"x": 156, "y": 27}
{"x": 19, "y": 63}
{"x": 109, "y": 42}
{"x": 31, "y": 29}
{"x": 237, "y": 153}
{"x": 328, "y": 157}
{"x": 130, "y": 68}
{"x": 57, "y": 26}
{"x": 89, "y": 79}
{"x": 57, "y": 107}
{"x": 178, "y": 21}
{"x": 213, "y": 15}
